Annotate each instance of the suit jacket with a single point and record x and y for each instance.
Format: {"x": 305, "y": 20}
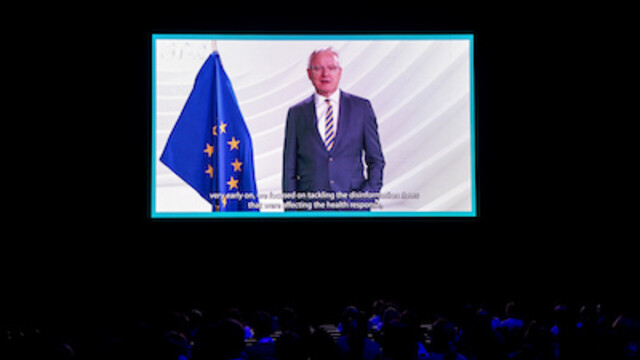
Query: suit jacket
{"x": 308, "y": 166}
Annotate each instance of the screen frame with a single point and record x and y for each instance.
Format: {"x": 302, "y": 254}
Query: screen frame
{"x": 473, "y": 212}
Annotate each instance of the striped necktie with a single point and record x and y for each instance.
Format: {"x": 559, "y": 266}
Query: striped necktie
{"x": 329, "y": 128}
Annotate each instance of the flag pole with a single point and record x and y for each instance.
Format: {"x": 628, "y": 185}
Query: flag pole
{"x": 214, "y": 45}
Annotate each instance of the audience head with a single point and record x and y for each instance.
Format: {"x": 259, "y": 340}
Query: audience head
{"x": 291, "y": 346}
{"x": 223, "y": 340}
{"x": 262, "y": 324}
{"x": 351, "y": 319}
{"x": 511, "y": 310}
{"x": 443, "y": 336}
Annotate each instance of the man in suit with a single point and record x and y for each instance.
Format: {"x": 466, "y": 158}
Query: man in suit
{"x": 331, "y": 140}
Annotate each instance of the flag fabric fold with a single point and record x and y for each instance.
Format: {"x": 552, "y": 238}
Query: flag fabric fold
{"x": 210, "y": 146}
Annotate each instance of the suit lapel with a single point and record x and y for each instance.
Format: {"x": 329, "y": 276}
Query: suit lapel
{"x": 312, "y": 123}
{"x": 343, "y": 118}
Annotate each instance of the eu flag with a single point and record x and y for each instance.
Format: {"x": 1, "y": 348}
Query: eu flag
{"x": 210, "y": 145}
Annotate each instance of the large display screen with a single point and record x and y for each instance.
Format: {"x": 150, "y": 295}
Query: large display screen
{"x": 400, "y": 143}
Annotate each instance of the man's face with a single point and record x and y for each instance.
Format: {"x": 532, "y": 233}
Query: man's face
{"x": 324, "y": 72}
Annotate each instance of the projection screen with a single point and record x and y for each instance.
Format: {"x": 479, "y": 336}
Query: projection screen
{"x": 420, "y": 86}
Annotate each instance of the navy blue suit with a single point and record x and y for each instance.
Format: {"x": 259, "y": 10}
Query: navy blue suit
{"x": 309, "y": 167}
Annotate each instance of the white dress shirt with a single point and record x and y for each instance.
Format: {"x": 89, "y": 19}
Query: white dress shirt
{"x": 321, "y": 110}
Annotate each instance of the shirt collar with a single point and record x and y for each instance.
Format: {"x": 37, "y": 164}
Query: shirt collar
{"x": 335, "y": 98}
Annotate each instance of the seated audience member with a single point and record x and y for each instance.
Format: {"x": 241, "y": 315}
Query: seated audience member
{"x": 536, "y": 343}
{"x": 291, "y": 346}
{"x": 323, "y": 347}
{"x": 236, "y": 314}
{"x": 174, "y": 346}
{"x": 484, "y": 342}
{"x": 389, "y": 314}
{"x": 444, "y": 342}
{"x": 563, "y": 333}
{"x": 512, "y": 329}
{"x": 223, "y": 340}
{"x": 625, "y": 334}
{"x": 264, "y": 348}
{"x": 290, "y": 320}
{"x": 375, "y": 321}
{"x": 397, "y": 343}
{"x": 591, "y": 332}
{"x": 354, "y": 343}
{"x": 512, "y": 321}
{"x": 415, "y": 333}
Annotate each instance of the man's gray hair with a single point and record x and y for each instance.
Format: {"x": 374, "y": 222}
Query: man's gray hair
{"x": 318, "y": 51}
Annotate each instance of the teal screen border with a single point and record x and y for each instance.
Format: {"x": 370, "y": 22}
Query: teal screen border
{"x": 313, "y": 214}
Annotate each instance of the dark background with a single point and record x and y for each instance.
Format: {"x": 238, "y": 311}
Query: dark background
{"x": 555, "y": 182}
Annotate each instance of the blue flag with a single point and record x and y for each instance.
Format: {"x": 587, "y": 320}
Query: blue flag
{"x": 210, "y": 146}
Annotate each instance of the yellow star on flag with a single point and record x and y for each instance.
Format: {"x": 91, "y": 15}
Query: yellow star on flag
{"x": 233, "y": 144}
{"x": 223, "y": 128}
{"x": 209, "y": 150}
{"x": 209, "y": 171}
{"x": 233, "y": 183}
{"x": 215, "y": 130}
{"x": 236, "y": 165}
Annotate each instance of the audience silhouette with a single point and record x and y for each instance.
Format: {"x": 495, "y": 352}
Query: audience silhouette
{"x": 388, "y": 332}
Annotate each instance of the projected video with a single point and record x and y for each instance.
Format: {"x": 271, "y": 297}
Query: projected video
{"x": 312, "y": 126}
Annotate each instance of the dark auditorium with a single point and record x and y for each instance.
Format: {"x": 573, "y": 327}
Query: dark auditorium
{"x": 536, "y": 261}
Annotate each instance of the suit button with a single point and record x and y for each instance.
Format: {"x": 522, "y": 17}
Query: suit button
{"x": 332, "y": 181}
{"x": 330, "y": 159}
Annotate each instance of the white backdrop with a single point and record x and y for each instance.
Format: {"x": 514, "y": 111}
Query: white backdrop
{"x": 419, "y": 89}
